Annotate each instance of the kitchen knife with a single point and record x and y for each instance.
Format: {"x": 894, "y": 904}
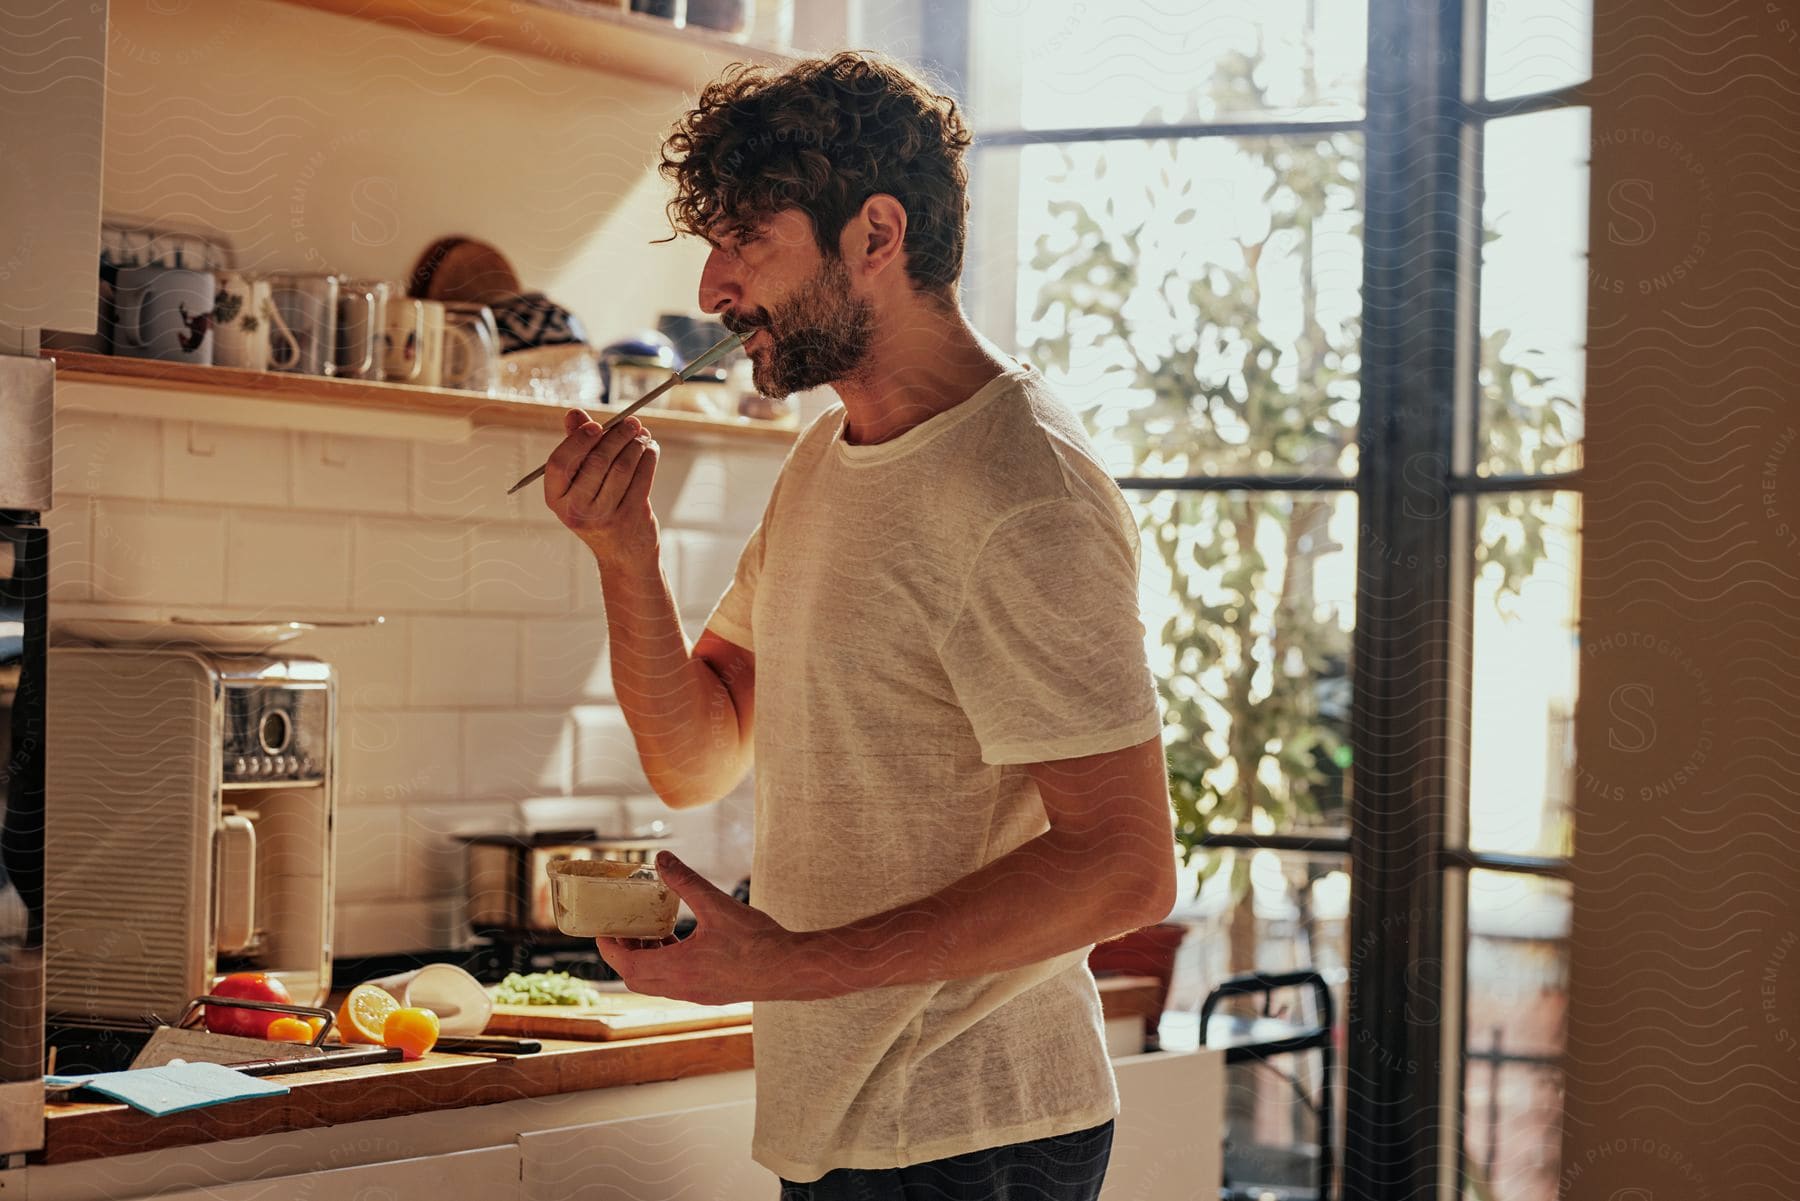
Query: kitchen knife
{"x": 489, "y": 1044}
{"x": 319, "y": 1063}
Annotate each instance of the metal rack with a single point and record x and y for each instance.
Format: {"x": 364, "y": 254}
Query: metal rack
{"x": 1269, "y": 1037}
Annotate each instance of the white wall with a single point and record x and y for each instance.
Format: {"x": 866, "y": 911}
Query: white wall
{"x": 318, "y": 142}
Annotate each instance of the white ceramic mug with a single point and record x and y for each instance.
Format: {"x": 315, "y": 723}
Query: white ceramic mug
{"x": 247, "y": 331}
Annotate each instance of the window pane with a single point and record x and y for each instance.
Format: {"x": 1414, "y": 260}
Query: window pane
{"x": 1524, "y": 670}
{"x": 1518, "y": 991}
{"x": 1534, "y": 292}
{"x": 1197, "y": 299}
{"x": 1248, "y": 601}
{"x": 1537, "y": 45}
{"x": 1063, "y": 64}
{"x": 1263, "y": 911}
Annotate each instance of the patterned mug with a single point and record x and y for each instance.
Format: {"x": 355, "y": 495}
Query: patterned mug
{"x": 247, "y": 331}
{"x": 163, "y": 313}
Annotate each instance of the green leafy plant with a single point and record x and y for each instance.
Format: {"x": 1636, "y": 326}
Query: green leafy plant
{"x": 1255, "y": 692}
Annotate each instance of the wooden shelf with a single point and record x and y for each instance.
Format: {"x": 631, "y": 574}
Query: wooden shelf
{"x": 263, "y": 386}
{"x": 592, "y": 37}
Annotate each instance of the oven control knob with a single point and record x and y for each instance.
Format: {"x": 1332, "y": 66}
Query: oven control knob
{"x": 237, "y": 768}
{"x": 293, "y": 764}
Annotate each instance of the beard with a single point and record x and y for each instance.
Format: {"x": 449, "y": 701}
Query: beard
{"x": 820, "y": 336}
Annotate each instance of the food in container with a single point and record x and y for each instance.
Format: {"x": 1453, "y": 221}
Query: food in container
{"x": 603, "y": 898}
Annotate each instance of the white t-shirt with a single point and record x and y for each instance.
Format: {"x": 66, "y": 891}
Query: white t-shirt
{"x": 929, "y": 614}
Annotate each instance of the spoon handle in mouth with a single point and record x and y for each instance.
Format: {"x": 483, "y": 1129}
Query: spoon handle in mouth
{"x": 706, "y": 359}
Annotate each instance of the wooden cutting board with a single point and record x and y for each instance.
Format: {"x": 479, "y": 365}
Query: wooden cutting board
{"x": 618, "y": 1015}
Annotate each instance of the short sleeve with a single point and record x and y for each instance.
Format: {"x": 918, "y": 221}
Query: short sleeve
{"x": 730, "y": 618}
{"x": 1046, "y": 653}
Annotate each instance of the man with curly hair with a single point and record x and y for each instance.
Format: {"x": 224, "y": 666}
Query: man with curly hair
{"x": 931, "y": 649}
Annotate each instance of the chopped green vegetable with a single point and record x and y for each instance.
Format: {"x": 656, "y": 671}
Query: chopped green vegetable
{"x": 545, "y": 988}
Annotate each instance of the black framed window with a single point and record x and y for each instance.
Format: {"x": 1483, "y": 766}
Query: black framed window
{"x": 1314, "y": 274}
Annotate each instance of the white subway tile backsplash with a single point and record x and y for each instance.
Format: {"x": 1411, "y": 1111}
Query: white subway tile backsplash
{"x": 564, "y": 662}
{"x": 714, "y": 489}
{"x": 158, "y": 552}
{"x": 71, "y": 527}
{"x": 606, "y": 756}
{"x": 487, "y": 692}
{"x": 336, "y": 473}
{"x": 515, "y": 752}
{"x": 224, "y": 464}
{"x": 468, "y": 479}
{"x": 408, "y": 566}
{"x": 463, "y": 661}
{"x": 394, "y": 758}
{"x": 99, "y": 454}
{"x": 392, "y": 927}
{"x": 289, "y": 565}
{"x": 690, "y": 490}
{"x": 435, "y": 857}
{"x": 372, "y": 860}
{"x": 606, "y": 815}
{"x": 514, "y": 570}
{"x": 370, "y": 663}
{"x": 708, "y": 562}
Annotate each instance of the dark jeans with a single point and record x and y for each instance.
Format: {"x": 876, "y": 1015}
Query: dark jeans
{"x": 1063, "y": 1167}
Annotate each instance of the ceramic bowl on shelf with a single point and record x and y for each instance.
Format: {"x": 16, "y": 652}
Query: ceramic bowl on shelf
{"x": 531, "y": 319}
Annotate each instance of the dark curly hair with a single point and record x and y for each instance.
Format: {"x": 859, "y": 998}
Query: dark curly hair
{"x": 823, "y": 135}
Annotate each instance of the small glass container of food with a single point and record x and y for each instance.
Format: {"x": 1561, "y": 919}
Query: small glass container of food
{"x": 605, "y": 898}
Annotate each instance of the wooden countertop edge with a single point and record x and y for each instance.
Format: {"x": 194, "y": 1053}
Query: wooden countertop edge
{"x": 78, "y": 1132}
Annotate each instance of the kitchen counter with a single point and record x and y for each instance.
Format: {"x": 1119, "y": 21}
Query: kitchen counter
{"x": 438, "y": 1082}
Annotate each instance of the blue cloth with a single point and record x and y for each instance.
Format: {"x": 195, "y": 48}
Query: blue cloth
{"x": 174, "y": 1087}
{"x": 1064, "y": 1167}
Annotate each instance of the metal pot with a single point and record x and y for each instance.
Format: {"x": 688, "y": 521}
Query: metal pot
{"x": 508, "y": 882}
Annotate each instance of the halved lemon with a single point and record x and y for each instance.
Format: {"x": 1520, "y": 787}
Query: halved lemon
{"x": 364, "y": 1014}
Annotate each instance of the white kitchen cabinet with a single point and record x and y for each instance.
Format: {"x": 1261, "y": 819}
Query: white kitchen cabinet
{"x": 696, "y": 1154}
{"x": 490, "y": 1174}
{"x": 52, "y": 125}
{"x": 1167, "y": 1141}
{"x": 1166, "y": 1144}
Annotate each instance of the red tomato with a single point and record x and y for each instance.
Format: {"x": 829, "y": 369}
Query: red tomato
{"x": 251, "y": 986}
